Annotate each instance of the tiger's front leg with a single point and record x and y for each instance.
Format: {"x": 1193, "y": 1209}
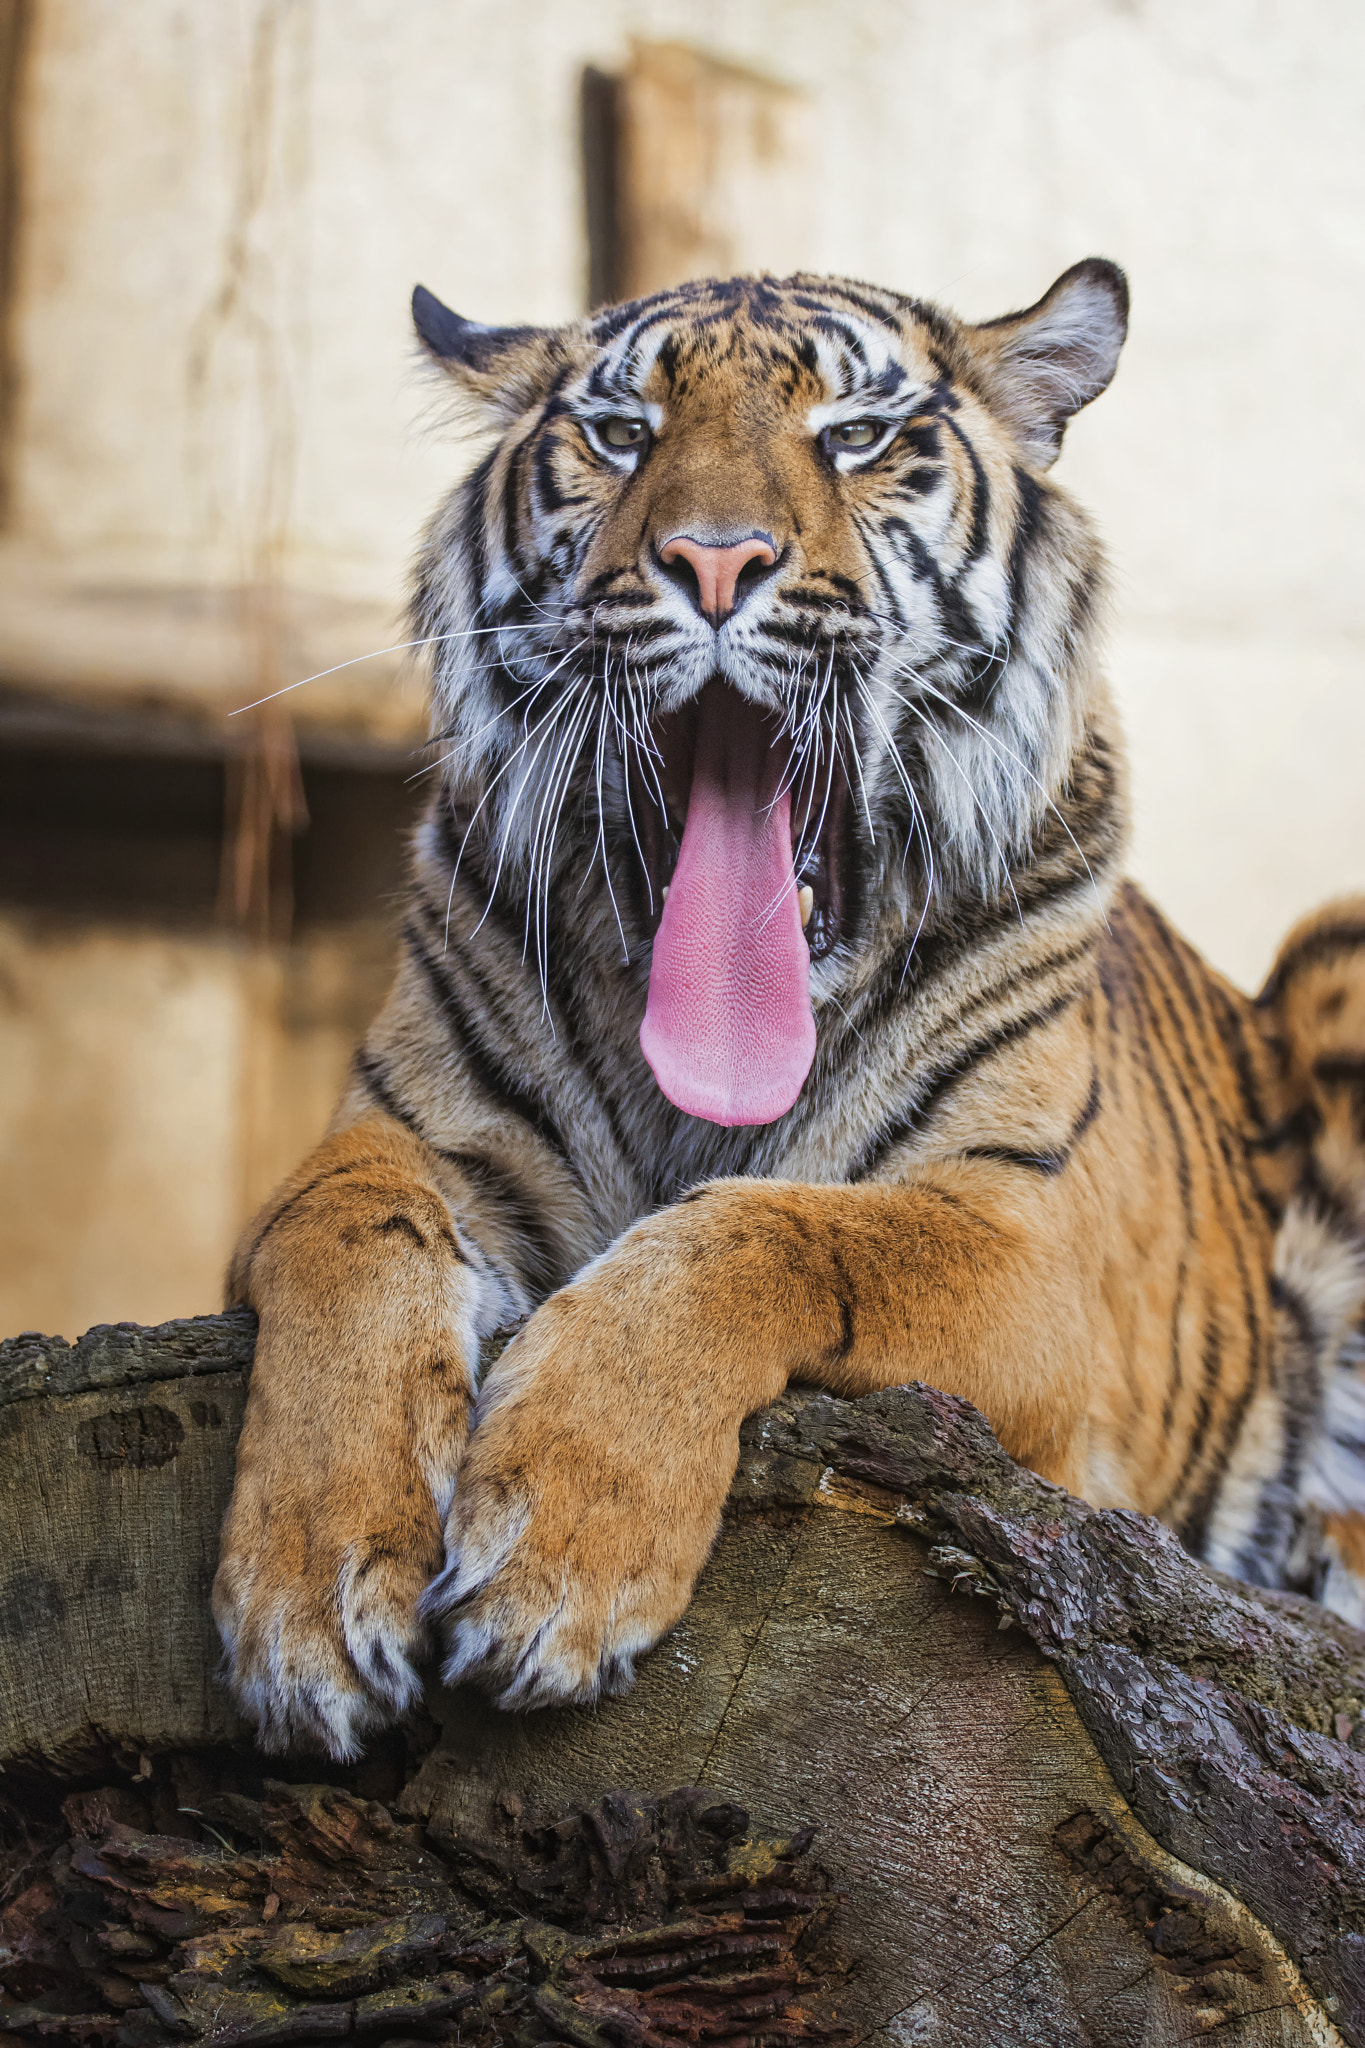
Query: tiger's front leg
{"x": 371, "y": 1302}
{"x": 607, "y": 1435}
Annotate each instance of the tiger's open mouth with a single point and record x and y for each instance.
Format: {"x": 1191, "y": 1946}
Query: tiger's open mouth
{"x": 818, "y": 814}
{"x": 743, "y": 835}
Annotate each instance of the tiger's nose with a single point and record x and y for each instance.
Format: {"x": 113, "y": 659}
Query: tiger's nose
{"x": 713, "y": 583}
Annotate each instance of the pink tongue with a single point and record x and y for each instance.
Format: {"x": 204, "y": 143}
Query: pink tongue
{"x": 728, "y": 1028}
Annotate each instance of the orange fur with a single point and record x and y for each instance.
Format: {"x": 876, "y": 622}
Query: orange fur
{"x": 360, "y": 1283}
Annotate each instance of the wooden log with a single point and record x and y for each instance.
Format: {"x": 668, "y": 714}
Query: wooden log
{"x": 117, "y": 1461}
{"x": 1065, "y": 1786}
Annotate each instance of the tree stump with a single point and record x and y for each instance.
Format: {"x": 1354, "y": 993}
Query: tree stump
{"x": 937, "y": 1754}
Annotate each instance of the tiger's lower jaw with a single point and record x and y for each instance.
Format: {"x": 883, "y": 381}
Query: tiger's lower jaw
{"x": 728, "y": 1030}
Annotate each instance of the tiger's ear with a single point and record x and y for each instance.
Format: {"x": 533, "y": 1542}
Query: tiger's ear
{"x": 1044, "y": 364}
{"x": 505, "y": 369}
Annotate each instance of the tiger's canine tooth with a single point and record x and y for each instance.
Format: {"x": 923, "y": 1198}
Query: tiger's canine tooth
{"x": 805, "y": 898}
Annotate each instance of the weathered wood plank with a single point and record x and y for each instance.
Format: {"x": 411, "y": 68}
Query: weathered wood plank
{"x": 110, "y": 1505}
{"x": 125, "y": 1355}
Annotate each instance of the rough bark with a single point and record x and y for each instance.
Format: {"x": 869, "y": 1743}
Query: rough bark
{"x": 1065, "y": 1785}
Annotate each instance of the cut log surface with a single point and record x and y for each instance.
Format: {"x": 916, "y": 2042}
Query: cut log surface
{"x": 937, "y": 1754}
{"x": 116, "y": 1466}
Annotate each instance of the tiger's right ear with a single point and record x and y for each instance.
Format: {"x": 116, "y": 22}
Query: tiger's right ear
{"x": 1044, "y": 364}
{"x": 505, "y": 369}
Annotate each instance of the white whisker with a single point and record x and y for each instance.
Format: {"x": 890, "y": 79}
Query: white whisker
{"x": 993, "y": 739}
{"x": 601, "y": 843}
{"x": 623, "y": 741}
{"x": 971, "y": 789}
{"x": 561, "y": 775}
{"x": 375, "y": 654}
{"x": 555, "y": 712}
{"x": 917, "y": 820}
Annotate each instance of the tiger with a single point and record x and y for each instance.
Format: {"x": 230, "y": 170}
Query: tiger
{"x": 773, "y": 1005}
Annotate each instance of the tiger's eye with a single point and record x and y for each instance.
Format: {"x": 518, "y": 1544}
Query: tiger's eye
{"x": 622, "y": 432}
{"x": 856, "y": 433}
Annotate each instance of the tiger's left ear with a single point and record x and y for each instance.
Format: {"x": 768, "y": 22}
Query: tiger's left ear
{"x": 505, "y": 369}
{"x": 1044, "y": 364}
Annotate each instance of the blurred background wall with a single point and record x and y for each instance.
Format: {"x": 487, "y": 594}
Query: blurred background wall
{"x": 216, "y": 454}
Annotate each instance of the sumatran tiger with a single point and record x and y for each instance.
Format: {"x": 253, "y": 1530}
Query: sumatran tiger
{"x": 772, "y": 1006}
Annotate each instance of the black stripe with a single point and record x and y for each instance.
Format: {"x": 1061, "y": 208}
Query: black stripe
{"x": 1129, "y": 982}
{"x": 1262, "y": 1556}
{"x": 473, "y": 542}
{"x": 1191, "y": 1527}
{"x": 981, "y": 497}
{"x": 941, "y": 958}
{"x": 1049, "y": 1163}
{"x": 400, "y": 1225}
{"x": 1340, "y": 1070}
{"x": 594, "y": 1058}
{"x": 1028, "y": 524}
{"x": 510, "y": 500}
{"x": 1231, "y": 1025}
{"x": 1231, "y": 1151}
{"x": 1180, "y": 961}
{"x": 1231, "y": 1050}
{"x": 1315, "y": 1187}
{"x": 963, "y": 1208}
{"x": 1081, "y": 611}
{"x": 1311, "y": 951}
{"x": 494, "y": 915}
{"x": 591, "y": 1059}
{"x": 1175, "y": 1371}
{"x": 1298, "y": 1127}
{"x": 1054, "y": 870}
{"x": 544, "y": 1261}
{"x": 868, "y": 533}
{"x": 332, "y": 1173}
{"x": 484, "y": 1060}
{"x": 544, "y": 1264}
{"x": 844, "y": 1295}
{"x": 950, "y": 1073}
{"x": 1291, "y": 1303}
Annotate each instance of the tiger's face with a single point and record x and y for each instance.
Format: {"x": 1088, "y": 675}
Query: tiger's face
{"x": 763, "y": 604}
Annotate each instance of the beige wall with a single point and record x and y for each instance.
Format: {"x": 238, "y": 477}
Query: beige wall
{"x": 235, "y": 201}
{"x": 226, "y": 205}
{"x": 154, "y": 1087}
{"x": 118, "y": 1099}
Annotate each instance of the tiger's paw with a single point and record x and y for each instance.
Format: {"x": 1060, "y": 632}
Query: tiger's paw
{"x": 527, "y": 1615}
{"x": 580, "y": 1521}
{"x": 319, "y": 1623}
